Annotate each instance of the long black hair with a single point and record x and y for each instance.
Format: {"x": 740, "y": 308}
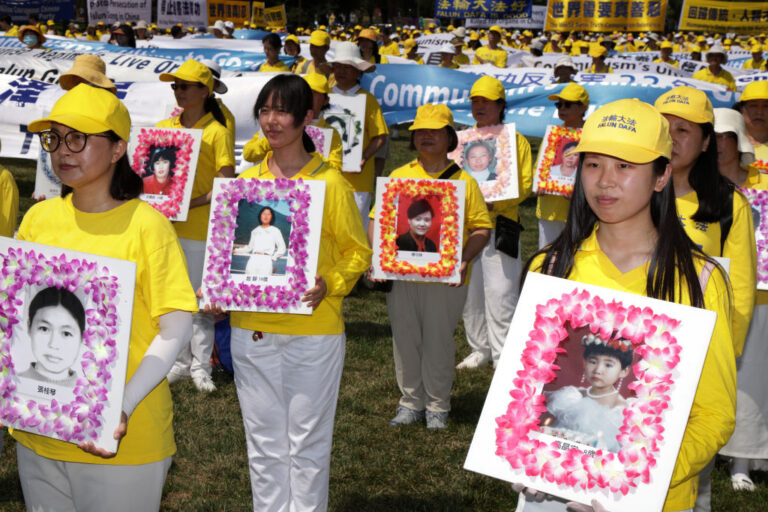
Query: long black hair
{"x": 712, "y": 188}
{"x": 164, "y": 152}
{"x": 126, "y": 184}
{"x": 293, "y": 94}
{"x": 212, "y": 105}
{"x": 51, "y": 296}
{"x": 673, "y": 256}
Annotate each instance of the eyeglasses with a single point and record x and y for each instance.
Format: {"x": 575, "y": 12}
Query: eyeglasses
{"x": 184, "y": 87}
{"x": 74, "y": 140}
{"x": 566, "y": 104}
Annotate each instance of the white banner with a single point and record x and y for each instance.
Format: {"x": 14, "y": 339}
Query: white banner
{"x": 120, "y": 11}
{"x": 535, "y": 22}
{"x": 188, "y": 12}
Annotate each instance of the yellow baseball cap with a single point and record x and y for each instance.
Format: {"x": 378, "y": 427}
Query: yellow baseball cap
{"x": 319, "y": 38}
{"x": 688, "y": 103}
{"x": 367, "y": 33}
{"x": 292, "y": 38}
{"x": 572, "y": 92}
{"x": 432, "y": 117}
{"x": 409, "y": 43}
{"x": 317, "y": 82}
{"x": 496, "y": 29}
{"x": 755, "y": 91}
{"x": 474, "y": 36}
{"x": 488, "y": 87}
{"x": 628, "y": 129}
{"x": 598, "y": 51}
{"x": 89, "y": 110}
{"x": 666, "y": 44}
{"x": 191, "y": 71}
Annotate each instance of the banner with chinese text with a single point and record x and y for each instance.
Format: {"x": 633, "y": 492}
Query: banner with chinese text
{"x": 275, "y": 16}
{"x": 605, "y": 16}
{"x": 489, "y": 9}
{"x": 710, "y": 15}
{"x": 236, "y": 11}
{"x": 257, "y": 14}
{"x": 187, "y": 12}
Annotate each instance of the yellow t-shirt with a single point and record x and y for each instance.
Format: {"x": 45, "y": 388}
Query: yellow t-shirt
{"x": 257, "y": 148}
{"x": 9, "y": 203}
{"x": 509, "y": 207}
{"x": 497, "y": 57}
{"x": 758, "y": 181}
{"x": 217, "y": 150}
{"x": 390, "y": 49}
{"x": 592, "y": 69}
{"x": 228, "y": 117}
{"x": 761, "y": 151}
{"x": 344, "y": 256}
{"x": 461, "y": 59}
{"x": 751, "y": 64}
{"x": 739, "y": 247}
{"x": 723, "y": 78}
{"x": 280, "y": 66}
{"x": 13, "y": 31}
{"x": 374, "y": 126}
{"x": 133, "y": 231}
{"x": 671, "y": 62}
{"x": 298, "y": 63}
{"x": 712, "y": 415}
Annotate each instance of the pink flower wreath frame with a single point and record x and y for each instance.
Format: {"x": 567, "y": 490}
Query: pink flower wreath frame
{"x": 184, "y": 144}
{"x": 758, "y": 199}
{"x": 642, "y": 432}
{"x": 218, "y": 287}
{"x": 80, "y": 420}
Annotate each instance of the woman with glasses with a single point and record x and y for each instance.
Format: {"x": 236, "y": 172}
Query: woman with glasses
{"x": 99, "y": 213}
{"x": 192, "y": 86}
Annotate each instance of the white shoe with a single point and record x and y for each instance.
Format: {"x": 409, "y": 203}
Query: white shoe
{"x": 203, "y": 383}
{"x": 473, "y": 360}
{"x": 742, "y": 482}
{"x": 175, "y": 377}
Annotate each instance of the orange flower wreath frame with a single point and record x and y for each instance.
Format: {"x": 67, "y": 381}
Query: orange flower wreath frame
{"x": 449, "y": 229}
{"x": 553, "y": 141}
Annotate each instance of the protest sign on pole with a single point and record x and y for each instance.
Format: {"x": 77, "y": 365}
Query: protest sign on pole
{"x": 236, "y": 11}
{"x": 591, "y": 16}
{"x": 711, "y": 15}
{"x": 535, "y": 22}
{"x": 257, "y": 14}
{"x": 45, "y": 9}
{"x": 493, "y": 9}
{"x": 187, "y": 12}
{"x": 118, "y": 11}
{"x": 275, "y": 16}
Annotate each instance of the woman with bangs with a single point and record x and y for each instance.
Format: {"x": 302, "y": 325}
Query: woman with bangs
{"x": 288, "y": 367}
{"x": 622, "y": 233}
{"x": 193, "y": 85}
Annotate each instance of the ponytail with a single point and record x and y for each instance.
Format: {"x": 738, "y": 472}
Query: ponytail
{"x": 212, "y": 105}
{"x": 309, "y": 145}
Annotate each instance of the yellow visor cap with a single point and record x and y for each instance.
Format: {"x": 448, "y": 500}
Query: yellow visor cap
{"x": 191, "y": 71}
{"x": 755, "y": 91}
{"x": 572, "y": 92}
{"x": 488, "y": 87}
{"x": 88, "y": 109}
{"x": 627, "y": 129}
{"x": 688, "y": 103}
{"x": 432, "y": 117}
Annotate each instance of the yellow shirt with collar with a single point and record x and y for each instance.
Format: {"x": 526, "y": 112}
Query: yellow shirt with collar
{"x": 497, "y": 57}
{"x": 758, "y": 181}
{"x": 9, "y": 203}
{"x": 390, "y": 49}
{"x": 257, "y": 148}
{"x": 712, "y": 416}
{"x": 280, "y": 66}
{"x": 761, "y": 151}
{"x": 217, "y": 150}
{"x": 298, "y": 63}
{"x": 592, "y": 69}
{"x": 739, "y": 247}
{"x": 722, "y": 78}
{"x": 671, "y": 62}
{"x": 344, "y": 256}
{"x": 133, "y": 231}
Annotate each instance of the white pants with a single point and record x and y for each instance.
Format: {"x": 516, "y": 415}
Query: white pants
{"x": 195, "y": 358}
{"x": 288, "y": 386}
{"x": 548, "y": 231}
{"x": 56, "y": 486}
{"x": 363, "y": 202}
{"x": 494, "y": 287}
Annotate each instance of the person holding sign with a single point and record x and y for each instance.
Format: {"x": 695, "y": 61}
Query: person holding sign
{"x": 622, "y": 234}
{"x": 99, "y": 212}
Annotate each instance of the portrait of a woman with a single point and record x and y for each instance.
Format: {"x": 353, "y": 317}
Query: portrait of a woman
{"x": 265, "y": 246}
{"x": 480, "y": 162}
{"x": 420, "y": 216}
{"x": 161, "y": 164}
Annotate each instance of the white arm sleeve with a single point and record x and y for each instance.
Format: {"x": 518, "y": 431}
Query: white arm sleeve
{"x": 175, "y": 332}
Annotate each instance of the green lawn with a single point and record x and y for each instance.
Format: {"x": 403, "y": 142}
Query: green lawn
{"x": 374, "y": 467}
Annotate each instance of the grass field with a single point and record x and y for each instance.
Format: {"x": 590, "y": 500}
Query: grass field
{"x": 374, "y": 467}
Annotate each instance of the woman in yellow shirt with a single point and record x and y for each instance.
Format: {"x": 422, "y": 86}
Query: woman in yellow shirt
{"x": 272, "y": 44}
{"x": 193, "y": 85}
{"x": 369, "y": 50}
{"x": 621, "y": 233}
{"x": 9, "y": 204}
{"x": 98, "y": 212}
{"x": 288, "y": 367}
{"x": 424, "y": 315}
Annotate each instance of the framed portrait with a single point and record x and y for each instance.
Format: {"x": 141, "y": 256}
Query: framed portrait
{"x": 556, "y": 170}
{"x": 489, "y": 154}
{"x": 418, "y": 230}
{"x": 66, "y": 327}
{"x": 592, "y": 394}
{"x": 322, "y": 138}
{"x": 346, "y": 114}
{"x": 166, "y": 160}
{"x": 47, "y": 184}
{"x": 758, "y": 201}
{"x": 263, "y": 244}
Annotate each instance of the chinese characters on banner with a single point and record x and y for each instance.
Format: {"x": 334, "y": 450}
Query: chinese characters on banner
{"x": 275, "y": 16}
{"x": 237, "y": 11}
{"x": 187, "y": 12}
{"x": 257, "y": 14}
{"x": 490, "y": 9}
{"x": 710, "y": 15}
{"x": 603, "y": 16}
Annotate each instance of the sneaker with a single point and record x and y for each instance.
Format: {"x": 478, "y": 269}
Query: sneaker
{"x": 406, "y": 416}
{"x": 742, "y": 482}
{"x": 175, "y": 377}
{"x": 203, "y": 383}
{"x": 437, "y": 420}
{"x": 474, "y": 360}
